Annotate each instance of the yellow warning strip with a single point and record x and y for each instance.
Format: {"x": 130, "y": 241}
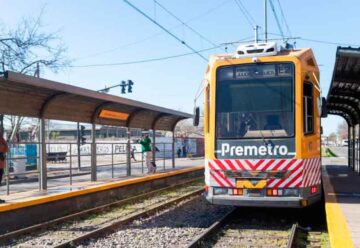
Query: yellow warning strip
{"x": 338, "y": 230}
{"x": 31, "y": 201}
{"x": 339, "y": 233}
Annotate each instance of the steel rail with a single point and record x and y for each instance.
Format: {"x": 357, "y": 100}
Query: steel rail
{"x": 5, "y": 238}
{"x": 112, "y": 226}
{"x": 292, "y": 237}
{"x": 211, "y": 230}
{"x": 214, "y": 228}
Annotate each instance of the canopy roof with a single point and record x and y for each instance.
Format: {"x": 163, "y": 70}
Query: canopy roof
{"x": 344, "y": 94}
{"x": 29, "y": 96}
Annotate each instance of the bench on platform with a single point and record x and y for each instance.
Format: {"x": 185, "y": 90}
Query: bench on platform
{"x": 56, "y": 156}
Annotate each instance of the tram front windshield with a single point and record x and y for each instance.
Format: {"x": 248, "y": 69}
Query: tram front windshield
{"x": 255, "y": 101}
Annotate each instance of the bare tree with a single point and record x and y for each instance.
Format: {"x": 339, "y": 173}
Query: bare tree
{"x": 342, "y": 130}
{"x": 332, "y": 137}
{"x": 185, "y": 128}
{"x": 26, "y": 49}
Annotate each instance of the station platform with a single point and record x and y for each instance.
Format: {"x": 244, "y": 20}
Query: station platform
{"x": 32, "y": 207}
{"x": 31, "y": 197}
{"x": 342, "y": 202}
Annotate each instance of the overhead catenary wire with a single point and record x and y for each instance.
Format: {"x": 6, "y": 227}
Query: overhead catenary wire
{"x": 320, "y": 41}
{"x": 145, "y": 39}
{"x": 200, "y": 89}
{"x": 148, "y": 60}
{"x": 183, "y": 23}
{"x": 165, "y": 29}
{"x": 284, "y": 18}
{"x": 246, "y": 13}
{"x": 276, "y": 18}
{"x": 330, "y": 42}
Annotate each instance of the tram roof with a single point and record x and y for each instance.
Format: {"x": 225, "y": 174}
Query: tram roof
{"x": 297, "y": 52}
{"x": 344, "y": 94}
{"x": 30, "y": 96}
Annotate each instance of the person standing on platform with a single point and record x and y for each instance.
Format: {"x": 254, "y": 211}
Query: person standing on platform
{"x": 132, "y": 153}
{"x": 3, "y": 150}
{"x": 184, "y": 151}
{"x": 179, "y": 152}
{"x": 146, "y": 150}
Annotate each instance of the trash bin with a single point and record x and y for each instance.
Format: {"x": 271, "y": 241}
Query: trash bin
{"x": 31, "y": 153}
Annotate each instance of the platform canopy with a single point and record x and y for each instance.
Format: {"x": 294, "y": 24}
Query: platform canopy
{"x": 29, "y": 96}
{"x": 344, "y": 94}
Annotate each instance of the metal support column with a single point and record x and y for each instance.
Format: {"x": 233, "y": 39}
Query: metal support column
{"x": 128, "y": 155}
{"x": 173, "y": 149}
{"x": 349, "y": 140}
{"x": 78, "y": 146}
{"x": 357, "y": 151}
{"x": 154, "y": 147}
{"x": 42, "y": 155}
{"x": 353, "y": 148}
{"x": 93, "y": 153}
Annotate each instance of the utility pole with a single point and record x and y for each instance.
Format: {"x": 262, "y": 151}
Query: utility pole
{"x": 265, "y": 14}
{"x": 37, "y": 70}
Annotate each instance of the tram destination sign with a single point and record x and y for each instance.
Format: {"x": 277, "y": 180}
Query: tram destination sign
{"x": 263, "y": 71}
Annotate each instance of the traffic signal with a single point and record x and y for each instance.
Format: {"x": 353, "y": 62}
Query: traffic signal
{"x": 82, "y": 135}
{"x": 130, "y": 85}
{"x": 123, "y": 85}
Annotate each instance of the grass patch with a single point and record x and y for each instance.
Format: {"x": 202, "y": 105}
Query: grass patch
{"x": 327, "y": 152}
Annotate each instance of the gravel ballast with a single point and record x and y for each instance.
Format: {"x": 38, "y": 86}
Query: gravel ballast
{"x": 175, "y": 227}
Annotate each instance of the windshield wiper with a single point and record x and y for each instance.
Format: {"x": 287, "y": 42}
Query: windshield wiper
{"x": 262, "y": 135}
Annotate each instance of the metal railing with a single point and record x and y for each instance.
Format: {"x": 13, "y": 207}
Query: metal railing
{"x": 10, "y": 159}
{"x": 113, "y": 149}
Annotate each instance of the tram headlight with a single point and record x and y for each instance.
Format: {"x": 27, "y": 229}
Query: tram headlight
{"x": 291, "y": 192}
{"x": 220, "y": 191}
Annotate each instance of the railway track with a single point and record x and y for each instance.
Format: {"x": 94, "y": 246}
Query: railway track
{"x": 232, "y": 231}
{"x": 175, "y": 217}
{"x": 71, "y": 230}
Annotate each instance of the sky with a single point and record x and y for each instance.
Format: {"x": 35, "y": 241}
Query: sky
{"x": 108, "y": 32}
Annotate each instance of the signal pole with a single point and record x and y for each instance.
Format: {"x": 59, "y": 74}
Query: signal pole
{"x": 129, "y": 85}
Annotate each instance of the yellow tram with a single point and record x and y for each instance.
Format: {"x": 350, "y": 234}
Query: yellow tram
{"x": 262, "y": 127}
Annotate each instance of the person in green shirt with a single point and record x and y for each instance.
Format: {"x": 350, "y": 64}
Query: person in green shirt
{"x": 146, "y": 150}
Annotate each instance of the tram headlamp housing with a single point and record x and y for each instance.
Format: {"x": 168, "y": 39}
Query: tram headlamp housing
{"x": 220, "y": 191}
{"x": 291, "y": 192}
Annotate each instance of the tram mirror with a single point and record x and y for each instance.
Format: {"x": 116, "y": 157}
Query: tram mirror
{"x": 196, "y": 116}
{"x": 321, "y": 129}
{"x": 324, "y": 110}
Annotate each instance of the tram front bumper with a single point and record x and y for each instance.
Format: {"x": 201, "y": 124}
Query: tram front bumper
{"x": 279, "y": 202}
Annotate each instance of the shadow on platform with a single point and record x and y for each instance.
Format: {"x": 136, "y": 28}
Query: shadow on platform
{"x": 344, "y": 184}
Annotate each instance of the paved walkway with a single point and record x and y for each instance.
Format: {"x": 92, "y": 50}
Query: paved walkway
{"x": 342, "y": 196}
{"x": 28, "y": 189}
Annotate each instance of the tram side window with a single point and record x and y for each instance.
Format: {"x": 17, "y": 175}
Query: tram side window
{"x": 308, "y": 106}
